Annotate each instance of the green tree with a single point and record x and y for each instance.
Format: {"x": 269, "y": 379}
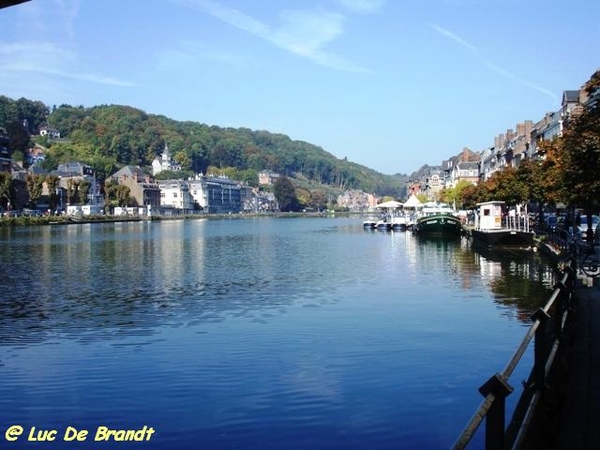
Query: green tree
{"x": 286, "y": 194}
{"x": 35, "y": 184}
{"x": 249, "y": 176}
{"x": 52, "y": 182}
{"x": 19, "y": 138}
{"x": 183, "y": 160}
{"x": 454, "y": 196}
{"x": 83, "y": 192}
{"x": 318, "y": 200}
{"x": 5, "y": 189}
{"x": 123, "y": 195}
{"x": 72, "y": 191}
{"x": 507, "y": 186}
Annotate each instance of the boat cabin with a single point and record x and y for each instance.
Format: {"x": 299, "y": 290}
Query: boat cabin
{"x": 490, "y": 215}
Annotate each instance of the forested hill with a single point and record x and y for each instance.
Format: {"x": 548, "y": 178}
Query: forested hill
{"x": 110, "y": 136}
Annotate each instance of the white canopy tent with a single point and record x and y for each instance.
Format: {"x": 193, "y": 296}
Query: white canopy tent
{"x": 390, "y": 204}
{"x": 413, "y": 202}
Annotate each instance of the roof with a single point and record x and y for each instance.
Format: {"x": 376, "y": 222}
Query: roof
{"x": 468, "y": 165}
{"x": 570, "y": 96}
{"x": 130, "y": 171}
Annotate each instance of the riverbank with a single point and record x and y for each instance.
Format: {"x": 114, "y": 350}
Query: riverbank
{"x": 70, "y": 220}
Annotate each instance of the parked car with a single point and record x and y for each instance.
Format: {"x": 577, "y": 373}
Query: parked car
{"x": 583, "y": 225}
{"x": 554, "y": 223}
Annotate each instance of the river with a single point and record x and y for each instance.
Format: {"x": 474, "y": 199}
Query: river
{"x": 262, "y": 333}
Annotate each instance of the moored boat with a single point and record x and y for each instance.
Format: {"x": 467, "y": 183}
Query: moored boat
{"x": 438, "y": 219}
{"x": 399, "y": 222}
{"x": 384, "y": 224}
{"x": 496, "y": 227}
{"x": 370, "y": 223}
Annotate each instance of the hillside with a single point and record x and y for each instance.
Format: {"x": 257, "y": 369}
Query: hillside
{"x": 110, "y": 136}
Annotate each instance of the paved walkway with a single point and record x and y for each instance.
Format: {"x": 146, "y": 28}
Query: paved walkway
{"x": 580, "y": 424}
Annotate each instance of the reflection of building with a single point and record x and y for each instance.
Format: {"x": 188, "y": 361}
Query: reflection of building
{"x": 145, "y": 191}
{"x": 164, "y": 162}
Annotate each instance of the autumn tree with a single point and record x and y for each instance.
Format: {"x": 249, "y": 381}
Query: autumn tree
{"x": 507, "y": 186}
{"x": 286, "y": 194}
{"x": 581, "y": 152}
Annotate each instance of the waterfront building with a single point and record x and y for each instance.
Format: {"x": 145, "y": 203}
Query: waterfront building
{"x": 72, "y": 173}
{"x": 357, "y": 201}
{"x": 142, "y": 188}
{"x": 546, "y": 129}
{"x": 176, "y": 194}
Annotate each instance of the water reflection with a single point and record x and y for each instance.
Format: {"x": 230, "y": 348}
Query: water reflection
{"x": 520, "y": 280}
{"x": 307, "y": 333}
{"x": 130, "y": 277}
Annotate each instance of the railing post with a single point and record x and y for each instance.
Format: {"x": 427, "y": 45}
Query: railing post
{"x": 540, "y": 349}
{"x": 496, "y": 415}
{"x": 563, "y": 305}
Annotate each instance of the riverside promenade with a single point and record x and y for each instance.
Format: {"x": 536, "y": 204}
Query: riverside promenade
{"x": 579, "y": 422}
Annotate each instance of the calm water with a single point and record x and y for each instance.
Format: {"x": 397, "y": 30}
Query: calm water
{"x": 255, "y": 333}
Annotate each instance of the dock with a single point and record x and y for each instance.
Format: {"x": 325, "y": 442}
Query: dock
{"x": 579, "y": 422}
{"x": 572, "y": 413}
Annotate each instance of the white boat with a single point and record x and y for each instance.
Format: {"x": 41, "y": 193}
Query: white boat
{"x": 384, "y": 224}
{"x": 393, "y": 215}
{"x": 370, "y": 222}
{"x": 399, "y": 222}
{"x": 496, "y": 227}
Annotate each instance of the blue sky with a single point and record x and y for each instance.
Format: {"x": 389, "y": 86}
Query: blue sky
{"x": 389, "y": 84}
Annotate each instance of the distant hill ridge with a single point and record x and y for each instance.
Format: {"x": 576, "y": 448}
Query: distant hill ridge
{"x": 110, "y": 136}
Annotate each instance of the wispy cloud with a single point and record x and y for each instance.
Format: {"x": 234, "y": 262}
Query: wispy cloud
{"x": 33, "y": 18}
{"x": 507, "y": 74}
{"x": 305, "y": 33}
{"x": 189, "y": 53}
{"x": 52, "y": 58}
{"x": 495, "y": 68}
{"x": 48, "y": 59}
{"x": 454, "y": 37}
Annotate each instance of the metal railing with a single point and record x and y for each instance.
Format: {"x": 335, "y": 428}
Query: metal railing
{"x": 547, "y": 328}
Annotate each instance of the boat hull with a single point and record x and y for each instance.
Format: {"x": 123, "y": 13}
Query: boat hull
{"x": 439, "y": 225}
{"x": 503, "y": 238}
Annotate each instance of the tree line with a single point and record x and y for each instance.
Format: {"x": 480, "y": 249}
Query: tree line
{"x": 107, "y": 137}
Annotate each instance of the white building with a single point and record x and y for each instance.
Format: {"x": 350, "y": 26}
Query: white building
{"x": 164, "y": 162}
{"x": 175, "y": 194}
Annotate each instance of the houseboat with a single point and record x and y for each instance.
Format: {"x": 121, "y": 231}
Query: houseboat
{"x": 498, "y": 227}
